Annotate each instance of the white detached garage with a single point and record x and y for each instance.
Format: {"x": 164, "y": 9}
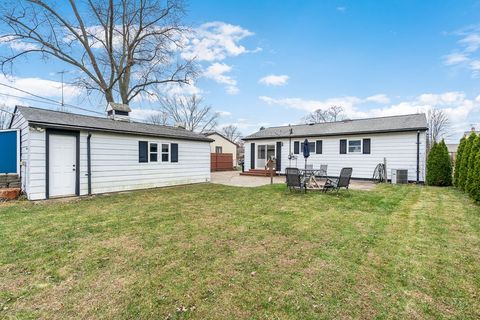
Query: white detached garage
{"x": 64, "y": 154}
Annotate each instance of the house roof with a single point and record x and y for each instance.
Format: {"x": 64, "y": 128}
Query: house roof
{"x": 66, "y": 120}
{"x": 411, "y": 122}
{"x": 221, "y": 135}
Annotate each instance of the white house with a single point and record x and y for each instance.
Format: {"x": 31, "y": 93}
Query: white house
{"x": 65, "y": 154}
{"x": 222, "y": 144}
{"x": 360, "y": 144}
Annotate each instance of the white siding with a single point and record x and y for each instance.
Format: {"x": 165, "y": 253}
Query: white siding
{"x": 400, "y": 150}
{"x": 37, "y": 162}
{"x": 115, "y": 165}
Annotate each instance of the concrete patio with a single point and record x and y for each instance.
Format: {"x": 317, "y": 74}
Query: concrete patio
{"x": 233, "y": 178}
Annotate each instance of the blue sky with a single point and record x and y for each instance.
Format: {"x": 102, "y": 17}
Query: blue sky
{"x": 374, "y": 58}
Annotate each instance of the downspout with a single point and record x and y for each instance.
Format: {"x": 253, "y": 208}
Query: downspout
{"x": 418, "y": 156}
{"x": 89, "y": 164}
{"x": 290, "y": 147}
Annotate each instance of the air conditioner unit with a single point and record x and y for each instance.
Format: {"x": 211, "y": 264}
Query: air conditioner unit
{"x": 399, "y": 176}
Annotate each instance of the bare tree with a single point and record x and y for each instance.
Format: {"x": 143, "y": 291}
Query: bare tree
{"x": 317, "y": 116}
{"x": 438, "y": 124}
{"x": 190, "y": 112}
{"x": 160, "y": 118}
{"x": 334, "y": 113}
{"x": 5, "y": 117}
{"x": 123, "y": 48}
{"x": 231, "y": 132}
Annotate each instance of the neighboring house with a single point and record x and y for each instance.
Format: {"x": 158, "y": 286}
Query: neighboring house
{"x": 452, "y": 150}
{"x": 360, "y": 144}
{"x": 65, "y": 154}
{"x": 222, "y": 144}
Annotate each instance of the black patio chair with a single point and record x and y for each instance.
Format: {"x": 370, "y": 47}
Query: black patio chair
{"x": 294, "y": 179}
{"x": 343, "y": 181}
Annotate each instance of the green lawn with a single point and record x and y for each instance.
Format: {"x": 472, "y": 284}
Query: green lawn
{"x": 210, "y": 251}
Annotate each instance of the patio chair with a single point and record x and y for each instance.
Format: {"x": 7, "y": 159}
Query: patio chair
{"x": 343, "y": 181}
{"x": 294, "y": 179}
{"x": 322, "y": 173}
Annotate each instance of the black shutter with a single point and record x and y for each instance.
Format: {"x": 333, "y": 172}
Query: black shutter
{"x": 142, "y": 151}
{"x": 174, "y": 151}
{"x": 318, "y": 149}
{"x": 296, "y": 147}
{"x": 366, "y": 146}
{"x": 343, "y": 146}
{"x": 252, "y": 155}
{"x": 278, "y": 157}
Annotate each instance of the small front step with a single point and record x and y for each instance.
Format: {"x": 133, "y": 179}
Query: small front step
{"x": 258, "y": 173}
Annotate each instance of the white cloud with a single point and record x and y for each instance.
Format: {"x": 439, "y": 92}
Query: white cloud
{"x": 471, "y": 42}
{"x": 217, "y": 72}
{"x": 455, "y": 58}
{"x": 378, "y": 98}
{"x": 41, "y": 87}
{"x": 467, "y": 53}
{"x": 274, "y": 80}
{"x": 224, "y": 113}
{"x": 17, "y": 44}
{"x": 215, "y": 41}
{"x": 175, "y": 89}
{"x": 341, "y": 9}
{"x": 143, "y": 114}
{"x": 348, "y": 103}
{"x": 456, "y": 105}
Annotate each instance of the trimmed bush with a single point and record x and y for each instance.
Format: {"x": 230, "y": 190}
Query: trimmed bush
{"x": 458, "y": 160}
{"x": 471, "y": 164}
{"x": 439, "y": 166}
{"x": 463, "y": 170}
{"x": 475, "y": 184}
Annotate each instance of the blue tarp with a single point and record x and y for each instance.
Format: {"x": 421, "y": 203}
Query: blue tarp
{"x": 8, "y": 152}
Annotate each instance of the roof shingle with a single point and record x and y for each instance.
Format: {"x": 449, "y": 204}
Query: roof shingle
{"x": 411, "y": 122}
{"x": 71, "y": 120}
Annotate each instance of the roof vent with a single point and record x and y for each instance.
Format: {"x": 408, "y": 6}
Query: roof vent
{"x": 118, "y": 111}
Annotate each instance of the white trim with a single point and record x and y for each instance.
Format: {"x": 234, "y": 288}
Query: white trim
{"x": 355, "y": 152}
{"x": 149, "y": 150}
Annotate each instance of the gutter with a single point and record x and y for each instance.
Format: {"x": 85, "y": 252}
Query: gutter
{"x": 335, "y": 134}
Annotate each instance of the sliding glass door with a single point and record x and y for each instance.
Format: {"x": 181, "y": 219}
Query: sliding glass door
{"x": 264, "y": 153}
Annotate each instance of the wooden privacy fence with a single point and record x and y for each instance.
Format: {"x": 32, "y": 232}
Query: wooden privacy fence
{"x": 221, "y": 161}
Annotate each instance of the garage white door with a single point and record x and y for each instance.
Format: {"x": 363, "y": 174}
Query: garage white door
{"x": 62, "y": 165}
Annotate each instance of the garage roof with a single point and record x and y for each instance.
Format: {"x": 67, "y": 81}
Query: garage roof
{"x": 58, "y": 119}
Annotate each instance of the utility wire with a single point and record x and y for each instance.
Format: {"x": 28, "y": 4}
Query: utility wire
{"x": 49, "y": 101}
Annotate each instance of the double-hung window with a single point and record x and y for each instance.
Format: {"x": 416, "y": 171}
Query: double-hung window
{"x": 153, "y": 152}
{"x": 311, "y": 146}
{"x": 165, "y": 152}
{"x": 354, "y": 146}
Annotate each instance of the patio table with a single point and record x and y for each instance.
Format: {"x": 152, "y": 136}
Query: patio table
{"x": 309, "y": 178}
